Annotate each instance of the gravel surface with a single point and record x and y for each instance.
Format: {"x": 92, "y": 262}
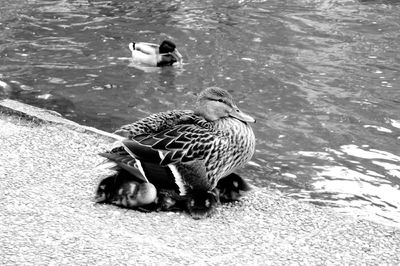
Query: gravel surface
{"x": 48, "y": 176}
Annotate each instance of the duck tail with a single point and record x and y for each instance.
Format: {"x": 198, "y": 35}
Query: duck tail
{"x": 131, "y": 46}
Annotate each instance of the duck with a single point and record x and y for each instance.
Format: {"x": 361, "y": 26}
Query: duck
{"x": 231, "y": 188}
{"x": 188, "y": 151}
{"x": 151, "y": 54}
{"x": 129, "y": 190}
{"x": 125, "y": 189}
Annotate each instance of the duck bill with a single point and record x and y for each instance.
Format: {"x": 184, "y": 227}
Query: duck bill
{"x": 236, "y": 113}
{"x": 177, "y": 55}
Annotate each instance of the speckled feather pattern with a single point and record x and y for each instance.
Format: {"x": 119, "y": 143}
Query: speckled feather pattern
{"x": 232, "y": 150}
{"x": 155, "y": 123}
{"x": 204, "y": 151}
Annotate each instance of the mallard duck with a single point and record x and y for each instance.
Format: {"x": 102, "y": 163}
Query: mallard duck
{"x": 125, "y": 189}
{"x": 129, "y": 190}
{"x": 189, "y": 151}
{"x": 151, "y": 54}
{"x": 231, "y": 188}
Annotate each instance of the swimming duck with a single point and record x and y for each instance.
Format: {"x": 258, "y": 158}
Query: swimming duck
{"x": 189, "y": 151}
{"x": 155, "y": 55}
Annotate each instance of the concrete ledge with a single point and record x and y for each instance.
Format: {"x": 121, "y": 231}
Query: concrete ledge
{"x": 38, "y": 115}
{"x": 48, "y": 176}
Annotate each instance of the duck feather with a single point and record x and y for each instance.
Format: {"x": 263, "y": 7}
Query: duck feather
{"x": 157, "y": 123}
{"x": 181, "y": 144}
{"x": 201, "y": 151}
{"x": 124, "y": 161}
{"x": 190, "y": 151}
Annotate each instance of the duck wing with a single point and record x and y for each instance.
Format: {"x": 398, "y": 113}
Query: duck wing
{"x": 123, "y": 160}
{"x": 156, "y": 123}
{"x": 161, "y": 177}
{"x": 181, "y": 144}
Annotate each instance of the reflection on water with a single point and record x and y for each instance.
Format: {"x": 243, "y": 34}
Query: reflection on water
{"x": 365, "y": 177}
{"x": 320, "y": 76}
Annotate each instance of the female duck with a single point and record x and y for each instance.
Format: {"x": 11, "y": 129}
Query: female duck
{"x": 155, "y": 55}
{"x": 188, "y": 151}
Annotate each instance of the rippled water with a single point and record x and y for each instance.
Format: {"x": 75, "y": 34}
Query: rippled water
{"x": 320, "y": 77}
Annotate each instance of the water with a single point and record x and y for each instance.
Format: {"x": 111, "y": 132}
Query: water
{"x": 320, "y": 77}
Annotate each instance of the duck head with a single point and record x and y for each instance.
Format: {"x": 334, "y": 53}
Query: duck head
{"x": 201, "y": 204}
{"x": 168, "y": 47}
{"x": 215, "y": 103}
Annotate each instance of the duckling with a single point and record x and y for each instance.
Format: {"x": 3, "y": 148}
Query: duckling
{"x": 126, "y": 190}
{"x": 198, "y": 205}
{"x": 170, "y": 200}
{"x": 231, "y": 188}
{"x": 189, "y": 151}
{"x": 165, "y": 54}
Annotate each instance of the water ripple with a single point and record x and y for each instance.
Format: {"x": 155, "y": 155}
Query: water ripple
{"x": 320, "y": 76}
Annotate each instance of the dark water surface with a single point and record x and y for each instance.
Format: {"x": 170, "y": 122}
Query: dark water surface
{"x": 321, "y": 78}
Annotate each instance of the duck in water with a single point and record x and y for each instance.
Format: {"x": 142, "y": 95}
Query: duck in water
{"x": 155, "y": 55}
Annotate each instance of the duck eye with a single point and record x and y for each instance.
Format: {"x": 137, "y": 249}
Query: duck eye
{"x": 220, "y": 100}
